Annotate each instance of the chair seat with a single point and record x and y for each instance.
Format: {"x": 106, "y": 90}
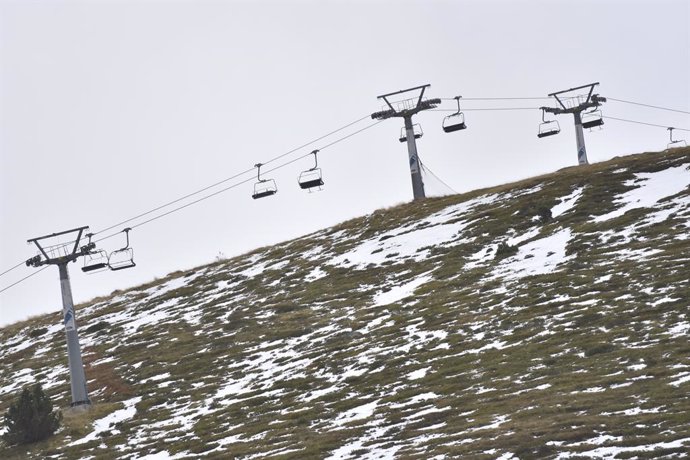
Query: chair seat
{"x": 263, "y": 194}
{"x": 123, "y": 265}
{"x": 455, "y": 127}
{"x": 404, "y": 139}
{"x": 90, "y": 268}
{"x": 547, "y": 133}
{"x": 311, "y": 183}
{"x": 593, "y": 123}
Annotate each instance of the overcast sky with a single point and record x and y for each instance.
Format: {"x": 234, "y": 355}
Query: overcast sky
{"x": 111, "y": 108}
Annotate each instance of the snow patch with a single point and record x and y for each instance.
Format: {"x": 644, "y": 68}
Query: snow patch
{"x": 107, "y": 422}
{"x": 567, "y": 203}
{"x": 536, "y": 258}
{"x": 398, "y": 293}
{"x": 653, "y": 188}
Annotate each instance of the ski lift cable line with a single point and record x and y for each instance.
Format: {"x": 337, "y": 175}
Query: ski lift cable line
{"x": 495, "y": 98}
{"x": 10, "y": 269}
{"x": 204, "y": 189}
{"x": 649, "y": 105}
{"x": 179, "y": 208}
{"x": 230, "y": 187}
{"x": 208, "y": 187}
{"x": 251, "y": 170}
{"x": 217, "y": 192}
{"x": 486, "y": 109}
{"x": 644, "y": 123}
{"x": 23, "y": 279}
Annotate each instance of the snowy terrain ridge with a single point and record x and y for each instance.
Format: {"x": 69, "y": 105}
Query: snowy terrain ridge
{"x": 543, "y": 319}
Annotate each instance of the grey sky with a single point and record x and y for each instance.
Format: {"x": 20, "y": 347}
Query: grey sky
{"x": 111, "y": 108}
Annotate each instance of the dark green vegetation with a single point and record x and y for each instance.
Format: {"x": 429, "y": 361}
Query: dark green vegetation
{"x": 30, "y": 418}
{"x": 576, "y": 344}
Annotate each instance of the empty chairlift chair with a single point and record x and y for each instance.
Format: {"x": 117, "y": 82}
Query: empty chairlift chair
{"x": 548, "y": 128}
{"x": 674, "y": 144}
{"x": 311, "y": 178}
{"x": 95, "y": 260}
{"x": 263, "y": 187}
{"x": 455, "y": 121}
{"x": 416, "y": 129}
{"x": 122, "y": 258}
{"x": 592, "y": 119}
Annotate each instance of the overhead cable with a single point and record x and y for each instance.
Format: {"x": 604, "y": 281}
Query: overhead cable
{"x": 208, "y": 187}
{"x": 23, "y": 279}
{"x": 486, "y": 109}
{"x": 217, "y": 192}
{"x": 649, "y": 105}
{"x": 644, "y": 123}
{"x": 495, "y": 98}
{"x": 10, "y": 269}
{"x": 189, "y": 195}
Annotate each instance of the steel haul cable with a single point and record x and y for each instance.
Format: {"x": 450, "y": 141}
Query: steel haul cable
{"x": 23, "y": 279}
{"x": 644, "y": 123}
{"x": 648, "y": 105}
{"x": 189, "y": 195}
{"x": 205, "y": 197}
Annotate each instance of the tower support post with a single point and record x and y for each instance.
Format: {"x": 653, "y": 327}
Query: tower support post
{"x": 415, "y": 170}
{"x": 80, "y": 394}
{"x": 580, "y": 139}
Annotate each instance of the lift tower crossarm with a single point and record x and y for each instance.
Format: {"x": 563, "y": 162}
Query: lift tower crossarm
{"x": 596, "y": 101}
{"x": 419, "y": 106}
{"x": 56, "y": 260}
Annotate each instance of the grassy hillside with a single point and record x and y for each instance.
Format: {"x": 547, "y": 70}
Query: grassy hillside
{"x": 542, "y": 319}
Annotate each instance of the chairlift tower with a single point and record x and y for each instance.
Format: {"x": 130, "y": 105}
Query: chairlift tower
{"x": 61, "y": 255}
{"x": 406, "y": 109}
{"x": 592, "y": 101}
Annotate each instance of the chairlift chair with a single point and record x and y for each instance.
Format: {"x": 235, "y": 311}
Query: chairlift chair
{"x": 264, "y": 187}
{"x": 548, "y": 128}
{"x": 416, "y": 129}
{"x": 592, "y": 119}
{"x": 674, "y": 144}
{"x": 95, "y": 260}
{"x": 455, "y": 121}
{"x": 311, "y": 178}
{"x": 122, "y": 258}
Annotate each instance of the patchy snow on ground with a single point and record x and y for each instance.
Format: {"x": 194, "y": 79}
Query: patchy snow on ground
{"x": 652, "y": 188}
{"x": 537, "y": 257}
{"x": 613, "y": 452}
{"x": 681, "y": 378}
{"x": 567, "y": 203}
{"x": 680, "y": 330}
{"x": 398, "y": 293}
{"x": 347, "y": 451}
{"x": 315, "y": 274}
{"x": 356, "y": 413}
{"x": 398, "y": 245}
{"x": 418, "y": 374}
{"x": 108, "y": 422}
{"x": 528, "y": 235}
{"x": 18, "y": 379}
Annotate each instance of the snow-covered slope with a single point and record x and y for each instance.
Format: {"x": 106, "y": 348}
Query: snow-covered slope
{"x": 543, "y": 319}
